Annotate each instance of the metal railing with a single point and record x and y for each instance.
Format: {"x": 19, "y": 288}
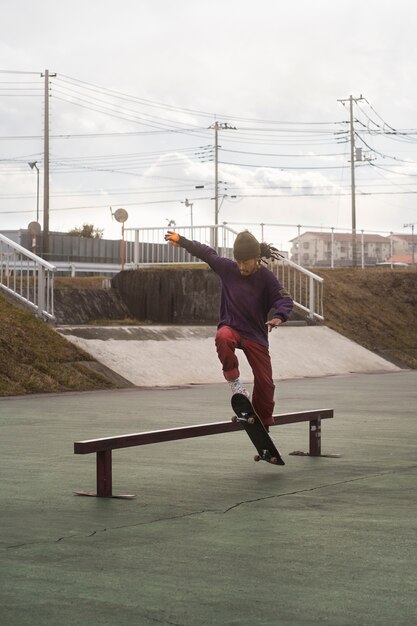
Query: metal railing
{"x": 305, "y": 287}
{"x": 77, "y": 268}
{"x": 146, "y": 246}
{"x": 27, "y": 277}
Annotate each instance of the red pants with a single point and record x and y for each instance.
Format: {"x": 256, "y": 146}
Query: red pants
{"x": 227, "y": 340}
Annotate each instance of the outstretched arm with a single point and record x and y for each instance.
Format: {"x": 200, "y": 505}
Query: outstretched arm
{"x": 197, "y": 249}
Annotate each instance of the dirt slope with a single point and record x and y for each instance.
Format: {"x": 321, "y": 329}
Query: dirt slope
{"x": 35, "y": 359}
{"x": 377, "y": 308}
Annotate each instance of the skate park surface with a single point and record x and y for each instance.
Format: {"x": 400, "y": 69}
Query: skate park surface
{"x": 180, "y": 355}
{"x": 212, "y": 537}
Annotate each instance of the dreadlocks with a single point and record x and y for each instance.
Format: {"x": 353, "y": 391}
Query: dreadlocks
{"x": 269, "y": 252}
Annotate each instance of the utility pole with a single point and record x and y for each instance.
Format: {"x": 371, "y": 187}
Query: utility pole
{"x": 351, "y": 100}
{"x": 352, "y": 180}
{"x": 217, "y": 126}
{"x": 45, "y": 246}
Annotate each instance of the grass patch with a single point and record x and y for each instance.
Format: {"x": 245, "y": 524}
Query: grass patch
{"x": 34, "y": 358}
{"x": 79, "y": 282}
{"x": 96, "y": 282}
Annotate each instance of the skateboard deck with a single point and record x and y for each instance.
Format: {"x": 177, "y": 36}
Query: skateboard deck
{"x": 246, "y": 416}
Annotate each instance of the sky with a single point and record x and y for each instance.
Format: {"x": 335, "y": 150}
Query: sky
{"x": 136, "y": 87}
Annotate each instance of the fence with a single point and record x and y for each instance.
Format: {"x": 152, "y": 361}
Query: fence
{"x": 146, "y": 246}
{"x": 27, "y": 277}
{"x": 305, "y": 287}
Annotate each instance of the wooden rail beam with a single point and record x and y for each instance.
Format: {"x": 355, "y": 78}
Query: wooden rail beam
{"x": 103, "y": 446}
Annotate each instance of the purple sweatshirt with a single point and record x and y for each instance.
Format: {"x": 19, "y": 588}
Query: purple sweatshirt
{"x": 245, "y": 300}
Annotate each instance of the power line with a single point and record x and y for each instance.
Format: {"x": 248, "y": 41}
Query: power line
{"x": 272, "y": 154}
{"x": 102, "y": 106}
{"x": 284, "y": 167}
{"x": 18, "y": 72}
{"x": 156, "y": 104}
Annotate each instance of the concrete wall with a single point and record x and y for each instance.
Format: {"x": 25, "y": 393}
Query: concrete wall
{"x": 164, "y": 296}
{"x": 80, "y": 306}
{"x": 173, "y": 296}
{"x": 170, "y": 296}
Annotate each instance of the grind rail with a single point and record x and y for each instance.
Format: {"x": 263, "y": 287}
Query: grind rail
{"x": 103, "y": 447}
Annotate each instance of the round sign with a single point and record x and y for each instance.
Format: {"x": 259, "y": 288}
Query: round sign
{"x": 120, "y": 215}
{"x": 34, "y": 229}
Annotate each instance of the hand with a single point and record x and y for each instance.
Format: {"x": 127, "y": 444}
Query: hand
{"x": 274, "y": 323}
{"x": 173, "y": 238}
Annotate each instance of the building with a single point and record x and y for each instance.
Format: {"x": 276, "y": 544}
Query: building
{"x": 404, "y": 244}
{"x": 328, "y": 249}
{"x": 402, "y": 259}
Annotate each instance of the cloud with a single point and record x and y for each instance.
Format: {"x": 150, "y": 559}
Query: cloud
{"x": 283, "y": 62}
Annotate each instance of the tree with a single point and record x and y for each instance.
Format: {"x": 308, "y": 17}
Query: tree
{"x": 87, "y": 230}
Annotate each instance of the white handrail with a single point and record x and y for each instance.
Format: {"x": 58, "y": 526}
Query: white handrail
{"x": 27, "y": 277}
{"x": 27, "y": 253}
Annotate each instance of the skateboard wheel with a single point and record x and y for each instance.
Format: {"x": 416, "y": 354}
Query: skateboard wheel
{"x": 251, "y": 420}
{"x": 273, "y": 460}
{"x": 234, "y": 419}
{"x": 256, "y": 458}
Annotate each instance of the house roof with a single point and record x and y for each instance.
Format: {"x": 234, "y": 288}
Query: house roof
{"x": 368, "y": 238}
{"x": 401, "y": 258}
{"x": 408, "y": 238}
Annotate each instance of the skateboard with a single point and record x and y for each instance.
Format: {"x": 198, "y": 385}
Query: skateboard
{"x": 246, "y": 416}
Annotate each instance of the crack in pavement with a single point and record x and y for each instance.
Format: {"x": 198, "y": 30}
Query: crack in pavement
{"x": 103, "y": 530}
{"x": 223, "y": 512}
{"x": 155, "y": 521}
{"x": 156, "y": 620}
{"x": 340, "y": 482}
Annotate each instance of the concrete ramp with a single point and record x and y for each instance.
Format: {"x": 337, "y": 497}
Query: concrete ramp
{"x": 178, "y": 355}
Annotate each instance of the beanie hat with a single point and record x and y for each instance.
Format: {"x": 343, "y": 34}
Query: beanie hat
{"x": 246, "y": 247}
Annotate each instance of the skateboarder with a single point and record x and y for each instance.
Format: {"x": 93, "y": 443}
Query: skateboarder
{"x": 249, "y": 292}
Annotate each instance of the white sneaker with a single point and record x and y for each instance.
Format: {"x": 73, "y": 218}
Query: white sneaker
{"x": 237, "y": 387}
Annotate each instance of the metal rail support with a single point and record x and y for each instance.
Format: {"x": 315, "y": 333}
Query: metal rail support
{"x": 315, "y": 437}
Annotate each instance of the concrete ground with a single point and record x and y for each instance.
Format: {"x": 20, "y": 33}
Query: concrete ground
{"x": 212, "y": 537}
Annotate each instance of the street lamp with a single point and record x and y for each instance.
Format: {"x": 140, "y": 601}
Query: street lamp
{"x": 412, "y": 241}
{"x": 190, "y": 205}
{"x": 32, "y": 165}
